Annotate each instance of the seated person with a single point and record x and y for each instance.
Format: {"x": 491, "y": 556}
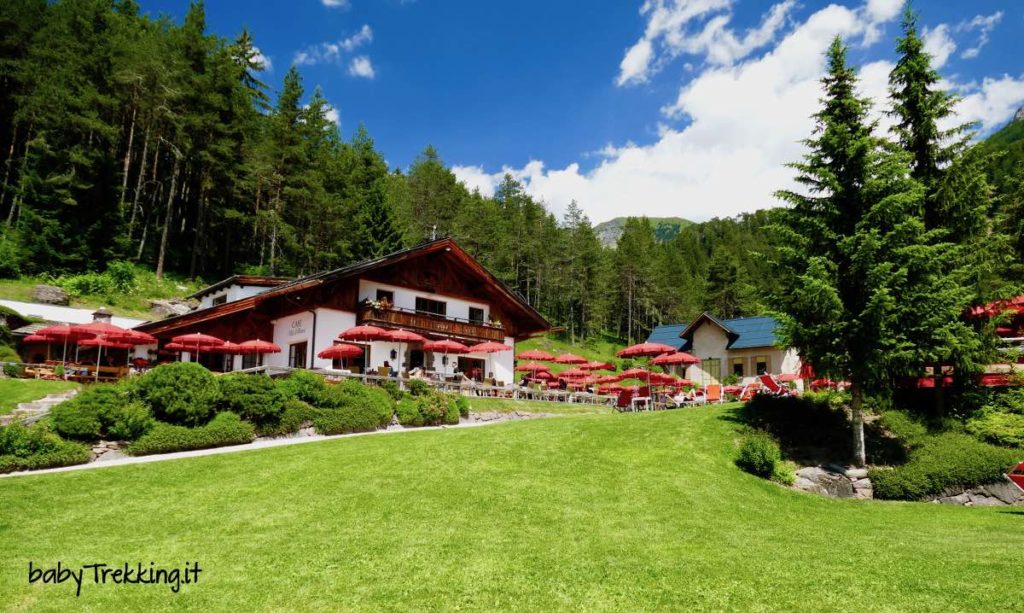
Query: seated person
{"x": 417, "y": 373}
{"x": 391, "y": 371}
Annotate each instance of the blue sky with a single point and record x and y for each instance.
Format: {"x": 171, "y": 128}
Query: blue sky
{"x": 658, "y": 107}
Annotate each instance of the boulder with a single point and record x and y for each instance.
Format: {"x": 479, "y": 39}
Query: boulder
{"x": 1005, "y": 492}
{"x": 169, "y": 308}
{"x": 831, "y": 483}
{"x": 50, "y": 294}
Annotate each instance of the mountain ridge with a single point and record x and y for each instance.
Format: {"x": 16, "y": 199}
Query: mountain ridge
{"x": 665, "y": 228}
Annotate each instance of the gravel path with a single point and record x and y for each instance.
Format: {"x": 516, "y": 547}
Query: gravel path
{"x": 121, "y": 460}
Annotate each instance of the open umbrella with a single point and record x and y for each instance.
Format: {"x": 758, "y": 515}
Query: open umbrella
{"x": 570, "y": 358}
{"x": 446, "y": 346}
{"x": 401, "y": 337}
{"x": 341, "y": 351}
{"x": 609, "y": 379}
{"x": 65, "y": 333}
{"x": 363, "y": 333}
{"x": 489, "y": 347}
{"x": 536, "y": 354}
{"x": 674, "y": 358}
{"x": 573, "y": 373}
{"x": 644, "y": 350}
{"x": 103, "y": 343}
{"x": 258, "y": 347}
{"x": 534, "y": 368}
{"x": 196, "y": 342}
{"x": 595, "y": 365}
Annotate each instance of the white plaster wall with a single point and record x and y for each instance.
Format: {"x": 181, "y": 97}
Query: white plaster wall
{"x": 405, "y": 298}
{"x": 709, "y": 342}
{"x": 330, "y": 323}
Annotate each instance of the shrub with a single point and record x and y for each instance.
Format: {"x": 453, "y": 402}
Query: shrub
{"x": 951, "y": 461}
{"x": 224, "y": 429}
{"x": 391, "y": 387}
{"x": 179, "y": 393}
{"x": 254, "y": 397}
{"x": 998, "y": 428}
{"x": 13, "y": 370}
{"x": 354, "y": 396}
{"x": 430, "y": 410}
{"x": 416, "y": 387}
{"x": 10, "y": 259}
{"x": 305, "y": 386}
{"x": 33, "y": 448}
{"x": 101, "y": 411}
{"x": 295, "y": 414}
{"x": 121, "y": 277}
{"x": 463, "y": 406}
{"x": 759, "y": 454}
{"x": 784, "y": 473}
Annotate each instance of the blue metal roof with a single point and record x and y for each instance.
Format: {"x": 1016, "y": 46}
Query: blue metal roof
{"x": 748, "y": 332}
{"x": 668, "y": 335}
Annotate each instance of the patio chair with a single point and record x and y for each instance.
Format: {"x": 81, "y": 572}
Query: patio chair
{"x": 625, "y": 400}
{"x": 713, "y": 393}
{"x": 772, "y": 386}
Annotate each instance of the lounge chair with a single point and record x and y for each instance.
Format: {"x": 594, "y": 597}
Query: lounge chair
{"x": 713, "y": 393}
{"x": 772, "y": 386}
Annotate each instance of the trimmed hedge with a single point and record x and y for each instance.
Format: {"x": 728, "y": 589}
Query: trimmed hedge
{"x": 102, "y": 411}
{"x": 179, "y": 393}
{"x": 225, "y": 429}
{"x": 295, "y": 414}
{"x": 305, "y": 386}
{"x": 429, "y": 410}
{"x": 254, "y": 397}
{"x": 937, "y": 463}
{"x": 33, "y": 448}
{"x": 356, "y": 398}
{"x": 417, "y": 387}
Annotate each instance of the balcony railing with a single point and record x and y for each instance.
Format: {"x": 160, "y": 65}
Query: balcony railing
{"x": 428, "y": 323}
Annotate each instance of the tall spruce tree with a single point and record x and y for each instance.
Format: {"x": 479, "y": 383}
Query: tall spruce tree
{"x": 377, "y": 233}
{"x": 852, "y": 252}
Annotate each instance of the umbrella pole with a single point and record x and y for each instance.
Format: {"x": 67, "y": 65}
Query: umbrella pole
{"x": 99, "y": 358}
{"x": 64, "y": 358}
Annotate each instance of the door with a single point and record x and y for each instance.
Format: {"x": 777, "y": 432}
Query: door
{"x": 713, "y": 368}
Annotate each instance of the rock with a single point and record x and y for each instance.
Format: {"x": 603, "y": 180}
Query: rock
{"x": 980, "y": 500}
{"x": 169, "y": 308}
{"x": 1005, "y": 492}
{"x": 832, "y": 483}
{"x": 960, "y": 499}
{"x": 1019, "y": 115}
{"x": 807, "y": 485}
{"x": 857, "y": 473}
{"x": 862, "y": 484}
{"x": 50, "y": 294}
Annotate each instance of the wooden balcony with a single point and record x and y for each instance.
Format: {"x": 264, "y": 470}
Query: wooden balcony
{"x": 427, "y": 323}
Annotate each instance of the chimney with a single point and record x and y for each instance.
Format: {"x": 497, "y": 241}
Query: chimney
{"x": 102, "y": 314}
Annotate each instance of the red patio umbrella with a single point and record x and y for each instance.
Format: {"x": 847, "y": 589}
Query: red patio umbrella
{"x": 228, "y": 348}
{"x": 445, "y": 346}
{"x": 65, "y": 333}
{"x": 570, "y": 358}
{"x": 573, "y": 373}
{"x": 37, "y": 338}
{"x": 364, "y": 333}
{"x": 401, "y": 337}
{"x": 341, "y": 351}
{"x": 644, "y": 349}
{"x": 609, "y": 379}
{"x": 595, "y": 365}
{"x": 634, "y": 373}
{"x": 675, "y": 358}
{"x": 198, "y": 340}
{"x": 103, "y": 343}
{"x": 489, "y": 347}
{"x": 786, "y": 378}
{"x": 175, "y": 347}
{"x": 532, "y": 367}
{"x": 107, "y": 331}
{"x": 536, "y": 354}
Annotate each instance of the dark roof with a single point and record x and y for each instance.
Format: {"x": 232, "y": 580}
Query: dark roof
{"x": 743, "y": 332}
{"x": 250, "y": 280}
{"x": 442, "y": 244}
{"x": 667, "y": 335}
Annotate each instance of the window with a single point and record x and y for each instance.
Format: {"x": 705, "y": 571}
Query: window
{"x": 476, "y": 315}
{"x": 713, "y": 366}
{"x": 297, "y": 355}
{"x": 250, "y": 360}
{"x": 737, "y": 367}
{"x": 434, "y": 307}
{"x": 386, "y": 295}
{"x": 220, "y": 300}
{"x": 761, "y": 364}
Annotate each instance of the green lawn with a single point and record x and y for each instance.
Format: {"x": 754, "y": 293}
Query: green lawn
{"x": 15, "y": 391}
{"x": 611, "y": 511}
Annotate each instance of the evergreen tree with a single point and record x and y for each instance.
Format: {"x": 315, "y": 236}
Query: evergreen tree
{"x": 854, "y": 263}
{"x": 378, "y": 235}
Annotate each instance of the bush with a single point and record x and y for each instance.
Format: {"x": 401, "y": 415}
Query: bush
{"x": 430, "y": 410}
{"x": 121, "y": 277}
{"x": 813, "y": 424}
{"x": 180, "y": 393}
{"x": 101, "y": 411}
{"x": 254, "y": 397}
{"x": 393, "y": 390}
{"x": 10, "y": 259}
{"x": 224, "y": 429}
{"x": 951, "y": 461}
{"x": 305, "y": 386}
{"x": 759, "y": 454}
{"x": 417, "y": 387}
{"x": 354, "y": 396}
{"x": 13, "y": 370}
{"x": 33, "y": 448}
{"x": 998, "y": 428}
{"x": 784, "y": 473}
{"x": 295, "y": 414}
{"x": 463, "y": 405}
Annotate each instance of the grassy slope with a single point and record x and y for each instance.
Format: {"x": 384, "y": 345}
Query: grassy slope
{"x": 600, "y": 348}
{"x": 618, "y": 511}
{"x": 15, "y": 391}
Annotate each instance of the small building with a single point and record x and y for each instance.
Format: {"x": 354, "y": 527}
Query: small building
{"x": 745, "y": 347}
{"x": 435, "y": 289}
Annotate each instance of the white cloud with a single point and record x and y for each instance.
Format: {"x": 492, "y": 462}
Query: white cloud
{"x": 334, "y": 52}
{"x": 668, "y": 35}
{"x": 332, "y": 115}
{"x": 262, "y": 61}
{"x": 984, "y": 24}
{"x": 361, "y": 67}
{"x": 744, "y": 122}
{"x": 335, "y": 4}
{"x": 939, "y": 44}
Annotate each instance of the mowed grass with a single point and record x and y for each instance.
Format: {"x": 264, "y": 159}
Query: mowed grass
{"x": 15, "y": 391}
{"x": 607, "y": 512}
